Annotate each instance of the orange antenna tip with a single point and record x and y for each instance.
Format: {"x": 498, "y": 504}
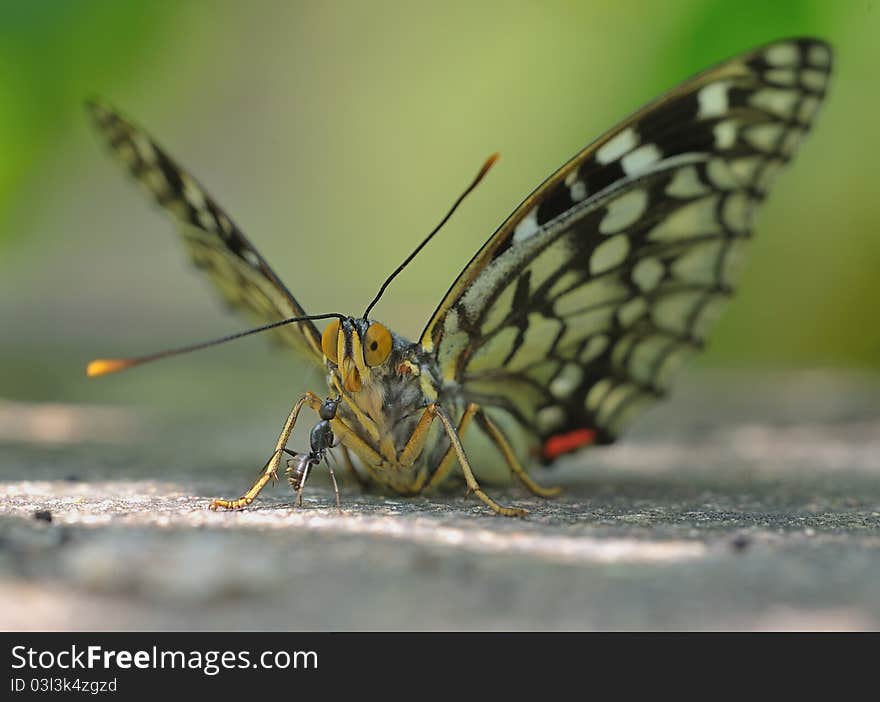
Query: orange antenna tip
{"x": 491, "y": 161}
{"x": 103, "y": 366}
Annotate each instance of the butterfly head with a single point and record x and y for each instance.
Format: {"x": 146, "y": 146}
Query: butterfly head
{"x": 358, "y": 350}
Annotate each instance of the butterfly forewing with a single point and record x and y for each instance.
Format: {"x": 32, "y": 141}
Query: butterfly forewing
{"x": 576, "y": 313}
{"x": 215, "y": 244}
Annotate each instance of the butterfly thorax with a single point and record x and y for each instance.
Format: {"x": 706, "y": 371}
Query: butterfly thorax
{"x": 385, "y": 383}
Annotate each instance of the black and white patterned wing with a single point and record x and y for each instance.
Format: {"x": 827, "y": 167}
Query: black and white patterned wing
{"x": 214, "y": 242}
{"x": 575, "y": 314}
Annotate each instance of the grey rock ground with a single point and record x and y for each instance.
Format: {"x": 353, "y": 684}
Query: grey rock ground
{"x": 745, "y": 503}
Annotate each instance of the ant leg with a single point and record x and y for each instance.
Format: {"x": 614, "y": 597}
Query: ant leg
{"x": 302, "y": 484}
{"x": 335, "y": 486}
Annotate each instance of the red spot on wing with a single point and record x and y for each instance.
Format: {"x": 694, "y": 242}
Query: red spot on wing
{"x": 559, "y": 444}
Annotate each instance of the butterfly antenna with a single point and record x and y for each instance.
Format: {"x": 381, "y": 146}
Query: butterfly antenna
{"x": 104, "y": 366}
{"x": 483, "y": 171}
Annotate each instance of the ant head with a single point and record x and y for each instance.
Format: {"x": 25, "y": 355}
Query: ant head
{"x": 328, "y": 408}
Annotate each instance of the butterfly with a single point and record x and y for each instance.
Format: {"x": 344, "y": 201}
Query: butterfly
{"x": 570, "y": 320}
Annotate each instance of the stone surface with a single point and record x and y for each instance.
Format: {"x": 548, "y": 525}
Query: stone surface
{"x": 743, "y": 504}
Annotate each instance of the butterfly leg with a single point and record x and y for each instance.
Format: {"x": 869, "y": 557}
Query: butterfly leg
{"x": 270, "y": 472}
{"x": 473, "y": 485}
{"x": 516, "y": 468}
{"x": 416, "y": 442}
{"x": 445, "y": 465}
{"x": 351, "y": 440}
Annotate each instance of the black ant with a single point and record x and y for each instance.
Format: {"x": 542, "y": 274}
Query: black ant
{"x": 321, "y": 439}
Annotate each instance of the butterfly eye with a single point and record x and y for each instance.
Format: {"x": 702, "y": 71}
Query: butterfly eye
{"x": 377, "y": 344}
{"x": 328, "y": 340}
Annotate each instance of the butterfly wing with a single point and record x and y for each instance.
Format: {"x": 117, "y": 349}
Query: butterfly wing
{"x": 214, "y": 242}
{"x": 575, "y": 314}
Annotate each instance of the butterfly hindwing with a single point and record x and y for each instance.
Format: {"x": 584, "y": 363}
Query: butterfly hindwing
{"x": 576, "y": 313}
{"x": 214, "y": 242}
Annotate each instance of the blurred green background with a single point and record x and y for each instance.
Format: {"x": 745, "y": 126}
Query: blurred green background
{"x": 337, "y": 134}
